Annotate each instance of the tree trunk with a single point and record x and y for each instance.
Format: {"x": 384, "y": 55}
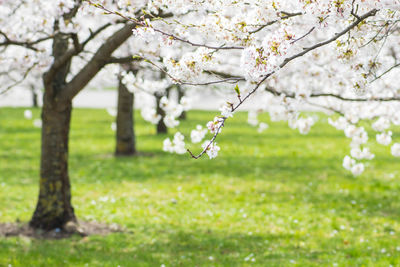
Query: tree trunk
{"x": 34, "y": 97}
{"x": 54, "y": 207}
{"x": 161, "y": 127}
{"x": 125, "y": 145}
{"x": 181, "y": 94}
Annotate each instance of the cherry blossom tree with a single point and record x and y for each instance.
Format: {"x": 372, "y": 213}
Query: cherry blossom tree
{"x": 153, "y": 89}
{"x": 338, "y": 56}
{"x": 54, "y": 36}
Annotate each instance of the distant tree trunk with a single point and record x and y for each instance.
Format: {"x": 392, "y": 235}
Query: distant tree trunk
{"x": 54, "y": 207}
{"x": 34, "y": 97}
{"x": 161, "y": 127}
{"x": 125, "y": 136}
{"x": 181, "y": 94}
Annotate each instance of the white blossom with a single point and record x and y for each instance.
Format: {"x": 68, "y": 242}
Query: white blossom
{"x": 384, "y": 138}
{"x": 339, "y": 124}
{"x": 28, "y": 114}
{"x": 395, "y": 149}
{"x": 170, "y": 121}
{"x": 357, "y": 169}
{"x": 381, "y": 124}
{"x": 198, "y": 134}
{"x": 252, "y": 118}
{"x": 150, "y": 114}
{"x": 185, "y": 103}
{"x": 112, "y": 112}
{"x": 113, "y": 126}
{"x": 226, "y": 110}
{"x": 179, "y": 144}
{"x": 303, "y": 124}
{"x": 37, "y": 123}
{"x": 168, "y": 146}
{"x": 358, "y": 153}
{"x": 176, "y": 146}
{"x": 348, "y": 162}
{"x": 212, "y": 150}
{"x": 262, "y": 126}
{"x": 215, "y": 125}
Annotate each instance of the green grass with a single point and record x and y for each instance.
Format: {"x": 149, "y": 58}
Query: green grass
{"x": 280, "y": 198}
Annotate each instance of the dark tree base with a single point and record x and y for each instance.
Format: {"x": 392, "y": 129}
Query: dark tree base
{"x": 49, "y": 223}
{"x": 82, "y": 229}
{"x": 126, "y": 153}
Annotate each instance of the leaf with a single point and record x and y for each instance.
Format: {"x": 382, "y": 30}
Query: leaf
{"x": 136, "y": 57}
{"x": 237, "y": 90}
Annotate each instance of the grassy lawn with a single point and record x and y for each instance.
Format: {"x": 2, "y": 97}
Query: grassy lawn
{"x": 272, "y": 199}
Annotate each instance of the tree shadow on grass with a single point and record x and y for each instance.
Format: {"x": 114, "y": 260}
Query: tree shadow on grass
{"x": 169, "y": 245}
{"x": 167, "y": 167}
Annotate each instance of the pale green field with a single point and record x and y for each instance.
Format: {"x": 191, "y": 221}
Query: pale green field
{"x": 272, "y": 199}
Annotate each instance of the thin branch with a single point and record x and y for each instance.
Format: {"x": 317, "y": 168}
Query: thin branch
{"x": 8, "y": 88}
{"x": 122, "y": 60}
{"x": 334, "y": 38}
{"x": 75, "y": 40}
{"x": 95, "y": 33}
{"x": 325, "y": 107}
{"x": 387, "y": 99}
{"x": 26, "y": 44}
{"x": 385, "y": 72}
{"x": 226, "y": 80}
{"x": 303, "y": 36}
{"x": 315, "y": 95}
{"x": 169, "y": 35}
{"x": 223, "y": 119}
{"x": 286, "y": 61}
{"x": 223, "y": 75}
{"x": 287, "y": 15}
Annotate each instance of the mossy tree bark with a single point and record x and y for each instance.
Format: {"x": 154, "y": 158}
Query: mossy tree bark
{"x": 54, "y": 207}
